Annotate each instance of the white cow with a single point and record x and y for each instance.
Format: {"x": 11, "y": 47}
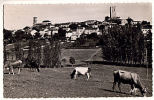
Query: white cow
{"x": 126, "y": 77}
{"x": 10, "y": 65}
{"x": 81, "y": 71}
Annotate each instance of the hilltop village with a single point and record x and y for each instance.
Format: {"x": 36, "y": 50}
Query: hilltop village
{"x": 73, "y": 31}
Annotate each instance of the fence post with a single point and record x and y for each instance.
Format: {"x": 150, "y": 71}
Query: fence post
{"x": 146, "y": 63}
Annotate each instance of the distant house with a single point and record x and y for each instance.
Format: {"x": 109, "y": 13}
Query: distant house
{"x": 91, "y": 30}
{"x": 94, "y": 26}
{"x": 99, "y": 33}
{"x": 54, "y": 30}
{"x": 69, "y": 34}
{"x": 74, "y": 37}
{"x": 63, "y": 25}
{"x": 134, "y": 23}
{"x": 46, "y": 22}
{"x": 80, "y": 30}
{"x": 66, "y": 28}
{"x": 42, "y": 33}
{"x": 52, "y": 26}
{"x": 90, "y": 22}
{"x": 45, "y": 31}
{"x": 33, "y": 32}
{"x": 123, "y": 22}
{"x": 146, "y": 29}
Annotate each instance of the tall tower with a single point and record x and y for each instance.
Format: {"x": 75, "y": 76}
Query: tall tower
{"x": 34, "y": 20}
{"x": 113, "y": 12}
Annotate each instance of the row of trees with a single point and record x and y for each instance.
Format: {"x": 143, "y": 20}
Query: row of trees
{"x": 126, "y": 44}
{"x": 46, "y": 53}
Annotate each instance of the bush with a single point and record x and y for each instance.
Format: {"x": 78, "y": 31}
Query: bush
{"x": 72, "y": 60}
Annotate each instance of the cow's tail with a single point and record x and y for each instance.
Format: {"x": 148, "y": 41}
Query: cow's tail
{"x": 72, "y": 74}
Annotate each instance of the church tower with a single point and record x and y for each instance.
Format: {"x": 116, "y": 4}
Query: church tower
{"x": 34, "y": 20}
{"x": 113, "y": 12}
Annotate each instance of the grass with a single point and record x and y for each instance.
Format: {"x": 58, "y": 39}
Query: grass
{"x": 56, "y": 82}
{"x": 81, "y": 55}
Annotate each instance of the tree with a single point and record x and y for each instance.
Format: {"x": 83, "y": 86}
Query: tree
{"x": 62, "y": 34}
{"x": 8, "y": 37}
{"x": 7, "y": 34}
{"x": 145, "y": 23}
{"x": 107, "y": 18}
{"x": 37, "y": 35}
{"x": 123, "y": 44}
{"x": 83, "y": 24}
{"x": 19, "y": 35}
{"x": 73, "y": 26}
{"x": 72, "y": 60}
{"x": 26, "y": 28}
{"x": 116, "y": 20}
{"x": 129, "y": 20}
{"x": 93, "y": 36}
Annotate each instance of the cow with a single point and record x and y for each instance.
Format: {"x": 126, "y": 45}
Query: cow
{"x": 81, "y": 71}
{"x": 35, "y": 65}
{"x": 133, "y": 79}
{"x": 10, "y": 65}
{"x": 32, "y": 63}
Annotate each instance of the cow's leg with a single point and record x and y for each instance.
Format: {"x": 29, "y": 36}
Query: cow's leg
{"x": 131, "y": 91}
{"x": 88, "y": 75}
{"x": 18, "y": 70}
{"x": 12, "y": 69}
{"x": 119, "y": 83}
{"x": 75, "y": 76}
{"x": 114, "y": 84}
{"x": 38, "y": 69}
{"x": 9, "y": 70}
{"x": 135, "y": 90}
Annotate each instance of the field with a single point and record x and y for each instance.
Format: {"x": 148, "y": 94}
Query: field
{"x": 56, "y": 82}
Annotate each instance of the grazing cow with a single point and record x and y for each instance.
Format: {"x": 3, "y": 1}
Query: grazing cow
{"x": 11, "y": 65}
{"x": 81, "y": 71}
{"x": 133, "y": 79}
{"x": 32, "y": 63}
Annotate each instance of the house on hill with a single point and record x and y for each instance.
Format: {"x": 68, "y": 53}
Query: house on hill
{"x": 63, "y": 25}
{"x": 91, "y": 30}
{"x": 46, "y": 22}
{"x": 123, "y": 22}
{"x": 145, "y": 29}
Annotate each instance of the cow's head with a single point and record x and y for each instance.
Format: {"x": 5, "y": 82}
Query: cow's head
{"x": 72, "y": 74}
{"x": 144, "y": 91}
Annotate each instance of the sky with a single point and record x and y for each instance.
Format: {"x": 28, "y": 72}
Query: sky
{"x": 17, "y": 16}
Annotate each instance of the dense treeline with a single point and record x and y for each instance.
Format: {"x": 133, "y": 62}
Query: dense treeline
{"x": 126, "y": 45}
{"x": 45, "y": 52}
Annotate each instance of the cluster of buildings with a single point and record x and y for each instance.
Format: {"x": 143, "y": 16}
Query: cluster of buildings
{"x": 46, "y": 28}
